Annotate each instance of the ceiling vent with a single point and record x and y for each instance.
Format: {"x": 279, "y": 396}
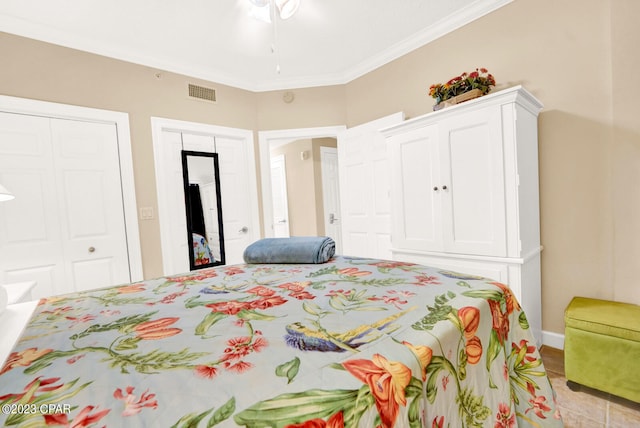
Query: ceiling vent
{"x": 202, "y": 93}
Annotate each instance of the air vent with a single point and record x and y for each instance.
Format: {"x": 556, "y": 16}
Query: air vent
{"x": 202, "y": 93}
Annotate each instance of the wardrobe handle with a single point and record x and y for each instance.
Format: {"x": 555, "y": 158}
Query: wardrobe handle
{"x": 444, "y": 187}
{"x": 435, "y": 189}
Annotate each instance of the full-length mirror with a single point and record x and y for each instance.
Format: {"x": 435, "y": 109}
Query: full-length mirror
{"x": 203, "y": 204}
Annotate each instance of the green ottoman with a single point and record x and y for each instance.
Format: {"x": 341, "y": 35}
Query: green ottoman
{"x": 602, "y": 346}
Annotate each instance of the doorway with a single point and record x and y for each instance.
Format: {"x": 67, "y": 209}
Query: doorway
{"x": 310, "y": 215}
{"x": 239, "y": 191}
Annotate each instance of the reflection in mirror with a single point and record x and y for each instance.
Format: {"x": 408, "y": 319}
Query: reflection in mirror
{"x": 203, "y": 204}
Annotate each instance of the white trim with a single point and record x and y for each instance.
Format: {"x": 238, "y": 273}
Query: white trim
{"x": 265, "y": 138}
{"x": 121, "y": 121}
{"x": 446, "y": 25}
{"x": 554, "y": 340}
{"x": 158, "y": 125}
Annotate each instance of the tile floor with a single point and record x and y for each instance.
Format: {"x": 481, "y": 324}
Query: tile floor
{"x": 587, "y": 408}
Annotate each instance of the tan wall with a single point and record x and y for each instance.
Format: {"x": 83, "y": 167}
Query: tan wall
{"x": 582, "y": 69}
{"x": 300, "y": 185}
{"x": 577, "y": 56}
{"x": 304, "y": 185}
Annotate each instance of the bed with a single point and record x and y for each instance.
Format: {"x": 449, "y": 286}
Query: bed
{"x": 352, "y": 342}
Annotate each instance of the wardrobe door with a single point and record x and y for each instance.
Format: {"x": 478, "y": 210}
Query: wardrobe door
{"x": 417, "y": 190}
{"x": 472, "y": 183}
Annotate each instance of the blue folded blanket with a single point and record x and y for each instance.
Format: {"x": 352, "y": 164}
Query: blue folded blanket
{"x": 297, "y": 249}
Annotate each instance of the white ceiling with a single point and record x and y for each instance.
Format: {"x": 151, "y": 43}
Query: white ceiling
{"x": 327, "y": 42}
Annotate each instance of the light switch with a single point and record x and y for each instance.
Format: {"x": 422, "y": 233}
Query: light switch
{"x": 146, "y": 213}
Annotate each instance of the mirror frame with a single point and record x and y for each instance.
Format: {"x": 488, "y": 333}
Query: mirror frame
{"x": 185, "y": 177}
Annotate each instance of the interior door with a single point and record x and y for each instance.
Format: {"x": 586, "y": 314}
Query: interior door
{"x": 90, "y": 197}
{"x": 364, "y": 173}
{"x": 331, "y": 195}
{"x": 235, "y": 192}
{"x": 234, "y": 189}
{"x": 65, "y": 228}
{"x": 279, "y": 197}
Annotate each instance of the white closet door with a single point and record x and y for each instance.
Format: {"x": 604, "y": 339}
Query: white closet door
{"x": 30, "y": 236}
{"x": 90, "y": 196}
{"x": 235, "y": 193}
{"x": 364, "y": 173}
{"x": 65, "y": 228}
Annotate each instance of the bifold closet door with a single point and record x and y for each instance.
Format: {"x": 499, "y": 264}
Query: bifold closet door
{"x": 65, "y": 228}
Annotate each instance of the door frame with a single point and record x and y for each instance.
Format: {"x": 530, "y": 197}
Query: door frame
{"x": 121, "y": 121}
{"x": 160, "y": 155}
{"x": 265, "y": 138}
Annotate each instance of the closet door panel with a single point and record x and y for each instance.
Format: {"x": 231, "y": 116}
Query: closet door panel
{"x": 94, "y": 242}
{"x": 473, "y": 201}
{"x": 29, "y": 224}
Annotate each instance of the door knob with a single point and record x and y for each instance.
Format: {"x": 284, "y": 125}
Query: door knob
{"x": 244, "y": 229}
{"x": 444, "y": 187}
{"x": 333, "y": 218}
{"x": 435, "y": 189}
{"x": 282, "y": 221}
{"x": 92, "y": 249}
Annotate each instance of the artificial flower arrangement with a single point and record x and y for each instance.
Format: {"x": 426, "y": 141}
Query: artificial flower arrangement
{"x": 479, "y": 79}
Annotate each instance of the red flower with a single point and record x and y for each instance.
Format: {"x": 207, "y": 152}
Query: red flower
{"x": 538, "y": 405}
{"x": 353, "y": 272}
{"x": 33, "y": 387}
{"x": 239, "y": 367}
{"x": 133, "y": 404}
{"x": 438, "y": 422}
{"x": 133, "y": 288}
{"x": 267, "y": 302}
{"x": 529, "y": 353}
{"x": 335, "y": 421}
{"x": 156, "y": 329}
{"x": 504, "y": 417}
{"x": 302, "y": 295}
{"x": 512, "y": 303}
{"x": 229, "y": 308}
{"x": 206, "y": 372}
{"x": 500, "y": 321}
{"x": 261, "y": 290}
{"x": 83, "y": 419}
{"x": 233, "y": 270}
{"x": 23, "y": 358}
{"x": 387, "y": 381}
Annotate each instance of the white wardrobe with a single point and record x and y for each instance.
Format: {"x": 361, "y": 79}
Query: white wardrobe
{"x": 464, "y": 193}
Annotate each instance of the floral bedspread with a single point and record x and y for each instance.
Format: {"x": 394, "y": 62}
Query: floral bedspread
{"x": 353, "y": 342}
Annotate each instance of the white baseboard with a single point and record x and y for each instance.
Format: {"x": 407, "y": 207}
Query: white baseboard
{"x": 553, "y": 340}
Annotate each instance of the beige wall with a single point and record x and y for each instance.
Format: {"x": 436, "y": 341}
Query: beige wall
{"x": 577, "y": 56}
{"x": 300, "y": 185}
{"x": 304, "y": 185}
{"x": 582, "y": 69}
